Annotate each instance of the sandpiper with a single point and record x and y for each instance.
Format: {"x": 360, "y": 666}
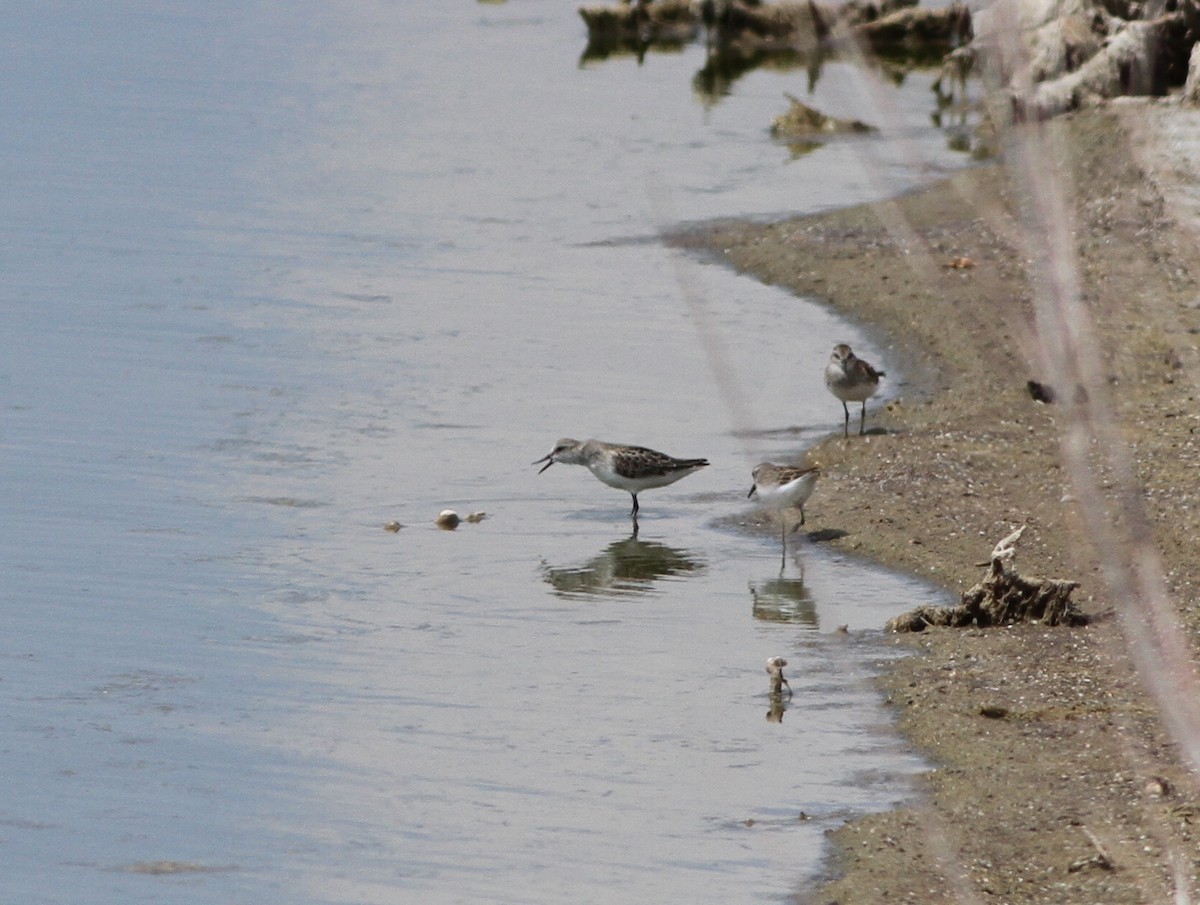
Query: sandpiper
{"x": 851, "y": 379}
{"x": 775, "y": 667}
{"x": 629, "y": 468}
{"x": 783, "y": 487}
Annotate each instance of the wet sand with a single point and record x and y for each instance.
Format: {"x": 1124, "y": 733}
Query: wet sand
{"x": 1052, "y": 779}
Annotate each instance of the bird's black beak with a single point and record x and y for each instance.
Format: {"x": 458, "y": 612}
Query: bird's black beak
{"x": 750, "y": 495}
{"x": 545, "y": 459}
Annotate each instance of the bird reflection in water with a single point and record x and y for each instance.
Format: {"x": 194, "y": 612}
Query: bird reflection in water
{"x": 783, "y": 600}
{"x": 624, "y": 567}
{"x": 777, "y": 709}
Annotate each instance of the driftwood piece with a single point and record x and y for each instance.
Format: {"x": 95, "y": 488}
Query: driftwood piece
{"x": 1002, "y": 597}
{"x": 1191, "y": 87}
{"x": 787, "y": 25}
{"x": 667, "y": 21}
{"x": 1049, "y": 57}
{"x": 915, "y": 29}
{"x": 1137, "y": 60}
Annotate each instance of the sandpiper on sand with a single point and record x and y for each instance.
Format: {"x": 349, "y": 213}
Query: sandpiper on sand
{"x": 851, "y": 379}
{"x": 629, "y": 468}
{"x": 783, "y": 487}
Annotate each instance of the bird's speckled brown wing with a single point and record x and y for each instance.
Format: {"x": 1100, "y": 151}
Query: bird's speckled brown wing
{"x": 639, "y": 462}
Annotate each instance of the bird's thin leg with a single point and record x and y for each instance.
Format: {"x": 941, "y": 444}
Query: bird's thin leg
{"x": 862, "y": 420}
{"x": 846, "y": 422}
{"x": 635, "y": 507}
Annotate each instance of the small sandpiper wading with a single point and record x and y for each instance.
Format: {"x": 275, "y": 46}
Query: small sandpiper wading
{"x": 783, "y": 487}
{"x": 629, "y": 468}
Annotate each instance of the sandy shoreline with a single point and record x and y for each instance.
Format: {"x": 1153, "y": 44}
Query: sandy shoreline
{"x": 1054, "y": 781}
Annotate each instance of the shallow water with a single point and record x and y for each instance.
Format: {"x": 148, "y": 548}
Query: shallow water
{"x": 273, "y": 277}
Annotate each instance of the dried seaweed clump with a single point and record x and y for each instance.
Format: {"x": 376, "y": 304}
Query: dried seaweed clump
{"x": 802, "y": 120}
{"x": 1002, "y": 597}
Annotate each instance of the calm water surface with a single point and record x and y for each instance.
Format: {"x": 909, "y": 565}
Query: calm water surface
{"x": 276, "y": 274}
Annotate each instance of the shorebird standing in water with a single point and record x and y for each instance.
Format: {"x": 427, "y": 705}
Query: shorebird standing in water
{"x": 629, "y": 468}
{"x": 775, "y": 667}
{"x": 852, "y": 380}
{"x": 783, "y": 487}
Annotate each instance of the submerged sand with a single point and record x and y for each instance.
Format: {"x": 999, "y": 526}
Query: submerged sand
{"x": 1054, "y": 780}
